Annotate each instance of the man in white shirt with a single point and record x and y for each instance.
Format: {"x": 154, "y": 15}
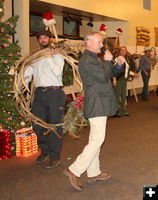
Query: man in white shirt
{"x": 49, "y": 99}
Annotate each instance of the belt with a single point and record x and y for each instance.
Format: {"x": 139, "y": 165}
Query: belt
{"x": 48, "y": 88}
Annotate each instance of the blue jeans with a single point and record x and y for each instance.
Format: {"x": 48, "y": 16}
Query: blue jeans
{"x": 146, "y": 83}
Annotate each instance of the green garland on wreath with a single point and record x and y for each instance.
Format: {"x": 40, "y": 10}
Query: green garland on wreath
{"x": 74, "y": 118}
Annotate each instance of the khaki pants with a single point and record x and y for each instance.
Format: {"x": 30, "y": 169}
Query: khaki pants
{"x": 88, "y": 160}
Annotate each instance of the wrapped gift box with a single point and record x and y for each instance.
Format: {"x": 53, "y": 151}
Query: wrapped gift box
{"x": 5, "y": 146}
{"x": 26, "y": 142}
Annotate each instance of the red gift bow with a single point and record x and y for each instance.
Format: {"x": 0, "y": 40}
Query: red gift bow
{"x": 48, "y": 15}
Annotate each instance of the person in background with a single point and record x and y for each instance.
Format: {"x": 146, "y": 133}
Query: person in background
{"x": 49, "y": 99}
{"x": 120, "y": 81}
{"x": 145, "y": 64}
{"x": 99, "y": 103}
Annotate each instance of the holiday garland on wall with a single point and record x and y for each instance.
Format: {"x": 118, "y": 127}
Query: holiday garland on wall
{"x": 9, "y": 54}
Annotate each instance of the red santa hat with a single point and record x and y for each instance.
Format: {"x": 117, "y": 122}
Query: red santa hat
{"x": 119, "y": 31}
{"x": 103, "y": 29}
{"x": 48, "y": 19}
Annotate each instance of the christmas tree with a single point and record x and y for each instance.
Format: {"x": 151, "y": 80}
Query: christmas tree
{"x": 9, "y": 54}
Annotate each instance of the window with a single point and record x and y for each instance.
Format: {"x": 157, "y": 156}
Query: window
{"x": 70, "y": 28}
{"x": 147, "y": 4}
{"x": 36, "y": 23}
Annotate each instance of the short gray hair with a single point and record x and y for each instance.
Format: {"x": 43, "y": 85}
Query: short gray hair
{"x": 89, "y": 36}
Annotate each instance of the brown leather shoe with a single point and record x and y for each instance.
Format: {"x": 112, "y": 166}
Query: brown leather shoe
{"x": 74, "y": 180}
{"x": 100, "y": 177}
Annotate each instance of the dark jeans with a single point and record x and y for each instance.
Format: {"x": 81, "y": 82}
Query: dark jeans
{"x": 146, "y": 83}
{"x": 49, "y": 106}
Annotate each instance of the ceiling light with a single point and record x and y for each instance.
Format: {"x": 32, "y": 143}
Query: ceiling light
{"x": 90, "y": 23}
{"x": 68, "y": 18}
{"x": 80, "y": 21}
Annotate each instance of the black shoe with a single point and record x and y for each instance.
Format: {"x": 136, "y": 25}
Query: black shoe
{"x": 41, "y": 158}
{"x": 125, "y": 115}
{"x": 117, "y": 115}
{"x": 145, "y": 99}
{"x": 52, "y": 164}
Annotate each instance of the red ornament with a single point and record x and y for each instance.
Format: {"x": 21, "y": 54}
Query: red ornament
{"x": 3, "y": 46}
{"x": 79, "y": 102}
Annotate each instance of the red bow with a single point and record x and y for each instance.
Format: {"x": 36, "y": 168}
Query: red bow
{"x": 48, "y": 15}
